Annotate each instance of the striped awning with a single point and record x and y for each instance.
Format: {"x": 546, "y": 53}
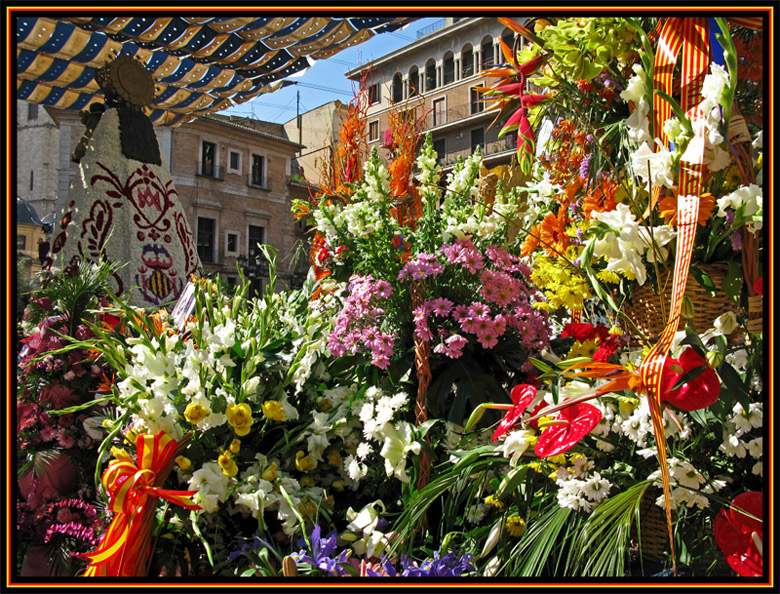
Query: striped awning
{"x": 200, "y": 64}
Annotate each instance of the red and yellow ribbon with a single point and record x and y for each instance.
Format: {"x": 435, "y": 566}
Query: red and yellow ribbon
{"x": 131, "y": 488}
{"x": 692, "y": 36}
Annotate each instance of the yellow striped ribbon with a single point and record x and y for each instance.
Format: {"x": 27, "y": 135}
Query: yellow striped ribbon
{"x": 130, "y": 486}
{"x": 692, "y": 35}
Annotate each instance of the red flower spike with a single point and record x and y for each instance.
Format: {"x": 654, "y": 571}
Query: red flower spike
{"x": 559, "y": 438}
{"x": 531, "y": 100}
{"x": 522, "y": 395}
{"x": 734, "y": 534}
{"x": 702, "y": 391}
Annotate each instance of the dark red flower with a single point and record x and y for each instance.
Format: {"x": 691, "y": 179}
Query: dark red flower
{"x": 700, "y": 392}
{"x": 734, "y": 533}
{"x": 522, "y": 395}
{"x": 578, "y": 331}
{"x": 758, "y": 285}
{"x": 572, "y": 424}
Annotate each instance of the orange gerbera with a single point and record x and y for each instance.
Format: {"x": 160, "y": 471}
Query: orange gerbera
{"x": 668, "y": 208}
{"x": 531, "y": 242}
{"x": 553, "y": 232}
{"x": 602, "y": 199}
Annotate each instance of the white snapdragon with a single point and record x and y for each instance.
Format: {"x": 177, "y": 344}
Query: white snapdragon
{"x": 654, "y": 166}
{"x": 211, "y": 486}
{"x": 747, "y": 203}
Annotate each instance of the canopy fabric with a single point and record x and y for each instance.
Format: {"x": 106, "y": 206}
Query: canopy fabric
{"x": 200, "y": 64}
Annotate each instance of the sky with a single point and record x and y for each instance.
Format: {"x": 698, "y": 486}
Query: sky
{"x": 324, "y": 81}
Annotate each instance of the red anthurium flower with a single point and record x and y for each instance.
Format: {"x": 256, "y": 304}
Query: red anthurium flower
{"x": 702, "y": 391}
{"x": 572, "y": 424}
{"x": 739, "y": 536}
{"x": 522, "y": 395}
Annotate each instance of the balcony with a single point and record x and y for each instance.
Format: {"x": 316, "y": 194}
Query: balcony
{"x": 206, "y": 169}
{"x": 495, "y": 148}
{"x": 453, "y": 116}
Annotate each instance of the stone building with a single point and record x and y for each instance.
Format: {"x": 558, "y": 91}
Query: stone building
{"x": 37, "y": 158}
{"x": 434, "y": 78}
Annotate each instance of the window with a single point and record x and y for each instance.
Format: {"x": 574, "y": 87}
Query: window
{"x": 467, "y": 62}
{"x": 374, "y": 94}
{"x": 448, "y": 69}
{"x": 258, "y": 171}
{"x": 439, "y": 112}
{"x": 234, "y": 161}
{"x": 398, "y": 88}
{"x": 487, "y": 53}
{"x": 208, "y": 159}
{"x": 477, "y": 101}
{"x": 231, "y": 242}
{"x": 32, "y": 111}
{"x": 21, "y": 242}
{"x": 373, "y": 131}
{"x": 414, "y": 82}
{"x": 430, "y": 76}
{"x": 438, "y": 146}
{"x": 206, "y": 239}
{"x": 255, "y": 236}
{"x": 477, "y": 138}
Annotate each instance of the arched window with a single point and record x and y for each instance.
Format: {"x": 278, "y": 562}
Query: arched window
{"x": 398, "y": 88}
{"x": 430, "y": 75}
{"x": 448, "y": 68}
{"x": 467, "y": 61}
{"x": 486, "y": 48}
{"x": 414, "y": 81}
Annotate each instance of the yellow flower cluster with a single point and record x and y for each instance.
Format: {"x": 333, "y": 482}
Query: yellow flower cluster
{"x": 515, "y": 526}
{"x": 491, "y": 500}
{"x": 564, "y": 286}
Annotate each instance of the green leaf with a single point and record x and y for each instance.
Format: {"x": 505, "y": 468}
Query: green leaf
{"x": 734, "y": 384}
{"x": 704, "y": 280}
{"x": 732, "y": 285}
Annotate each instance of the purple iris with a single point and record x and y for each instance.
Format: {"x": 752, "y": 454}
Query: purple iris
{"x": 321, "y": 551}
{"x": 448, "y": 566}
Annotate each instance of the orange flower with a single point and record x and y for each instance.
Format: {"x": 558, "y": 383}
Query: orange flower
{"x": 602, "y": 199}
{"x": 531, "y": 242}
{"x": 668, "y": 209}
{"x": 553, "y": 233}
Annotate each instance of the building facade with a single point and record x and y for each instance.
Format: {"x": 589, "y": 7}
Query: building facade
{"x": 433, "y": 79}
{"x": 232, "y": 176}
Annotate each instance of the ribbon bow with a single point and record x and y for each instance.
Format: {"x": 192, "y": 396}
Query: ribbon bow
{"x": 130, "y": 487}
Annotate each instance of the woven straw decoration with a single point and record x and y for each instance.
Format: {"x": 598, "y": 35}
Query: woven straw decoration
{"x": 422, "y": 355}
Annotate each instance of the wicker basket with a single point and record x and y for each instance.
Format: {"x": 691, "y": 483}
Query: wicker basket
{"x": 651, "y": 536}
{"x": 649, "y": 311}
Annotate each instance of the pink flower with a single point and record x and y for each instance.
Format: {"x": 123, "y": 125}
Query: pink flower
{"x": 48, "y": 433}
{"x": 64, "y": 439}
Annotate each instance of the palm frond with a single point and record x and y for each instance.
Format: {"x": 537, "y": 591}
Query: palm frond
{"x": 603, "y": 540}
